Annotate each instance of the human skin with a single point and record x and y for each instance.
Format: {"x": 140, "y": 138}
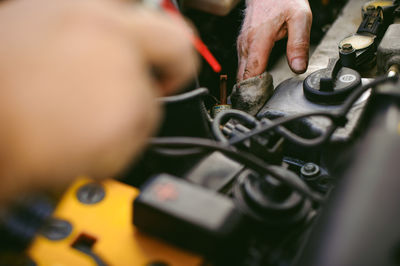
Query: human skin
{"x": 77, "y": 92}
{"x": 267, "y": 21}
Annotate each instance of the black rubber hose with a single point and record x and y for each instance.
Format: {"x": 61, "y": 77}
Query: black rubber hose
{"x": 241, "y": 156}
{"x": 225, "y": 116}
{"x": 338, "y": 119}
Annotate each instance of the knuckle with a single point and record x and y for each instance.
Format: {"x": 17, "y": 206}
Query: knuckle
{"x": 252, "y": 65}
{"x": 246, "y": 40}
{"x": 302, "y": 14}
{"x": 247, "y": 74}
{"x": 242, "y": 48}
{"x": 251, "y": 34}
{"x": 247, "y": 35}
{"x": 309, "y": 15}
{"x": 302, "y": 45}
{"x": 299, "y": 47}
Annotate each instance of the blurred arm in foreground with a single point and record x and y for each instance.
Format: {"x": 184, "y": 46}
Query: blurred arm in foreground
{"x": 77, "y": 91}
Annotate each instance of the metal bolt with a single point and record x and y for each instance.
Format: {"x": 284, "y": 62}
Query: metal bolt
{"x": 393, "y": 70}
{"x": 90, "y": 193}
{"x": 309, "y": 167}
{"x": 347, "y": 48}
{"x": 309, "y": 170}
{"x": 56, "y": 229}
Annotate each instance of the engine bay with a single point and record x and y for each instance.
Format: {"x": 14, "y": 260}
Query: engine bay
{"x": 310, "y": 179}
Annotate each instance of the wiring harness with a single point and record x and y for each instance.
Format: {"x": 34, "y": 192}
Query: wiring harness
{"x": 228, "y": 146}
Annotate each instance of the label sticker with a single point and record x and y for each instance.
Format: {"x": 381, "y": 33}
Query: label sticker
{"x": 348, "y": 78}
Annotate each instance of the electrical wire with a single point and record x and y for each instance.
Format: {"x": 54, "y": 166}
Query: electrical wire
{"x": 358, "y": 92}
{"x": 186, "y": 96}
{"x": 205, "y": 113}
{"x": 267, "y": 125}
{"x": 337, "y": 118}
{"x": 224, "y": 117}
{"x": 246, "y": 158}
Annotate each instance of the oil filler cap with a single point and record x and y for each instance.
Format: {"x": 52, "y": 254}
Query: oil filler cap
{"x": 330, "y": 86}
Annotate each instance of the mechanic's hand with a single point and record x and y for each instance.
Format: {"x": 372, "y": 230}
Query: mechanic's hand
{"x": 77, "y": 93}
{"x": 267, "y": 21}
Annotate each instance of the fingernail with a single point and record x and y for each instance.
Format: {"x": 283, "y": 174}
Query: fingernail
{"x": 298, "y": 65}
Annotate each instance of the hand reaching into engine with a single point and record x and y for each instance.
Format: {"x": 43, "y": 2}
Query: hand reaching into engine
{"x": 267, "y": 21}
{"x": 77, "y": 95}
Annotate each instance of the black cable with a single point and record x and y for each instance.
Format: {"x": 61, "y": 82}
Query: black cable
{"x": 243, "y": 157}
{"x": 205, "y": 113}
{"x": 263, "y": 126}
{"x": 184, "y": 96}
{"x": 225, "y": 116}
{"x": 286, "y": 133}
{"x": 358, "y": 92}
{"x": 338, "y": 119}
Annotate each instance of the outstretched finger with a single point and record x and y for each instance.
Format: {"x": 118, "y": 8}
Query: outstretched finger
{"x": 259, "y": 50}
{"x": 299, "y": 27}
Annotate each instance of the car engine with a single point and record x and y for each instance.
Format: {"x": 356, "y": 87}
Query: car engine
{"x": 311, "y": 179}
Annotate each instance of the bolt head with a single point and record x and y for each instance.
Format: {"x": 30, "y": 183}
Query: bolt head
{"x": 347, "y": 48}
{"x": 309, "y": 170}
{"x": 309, "y": 167}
